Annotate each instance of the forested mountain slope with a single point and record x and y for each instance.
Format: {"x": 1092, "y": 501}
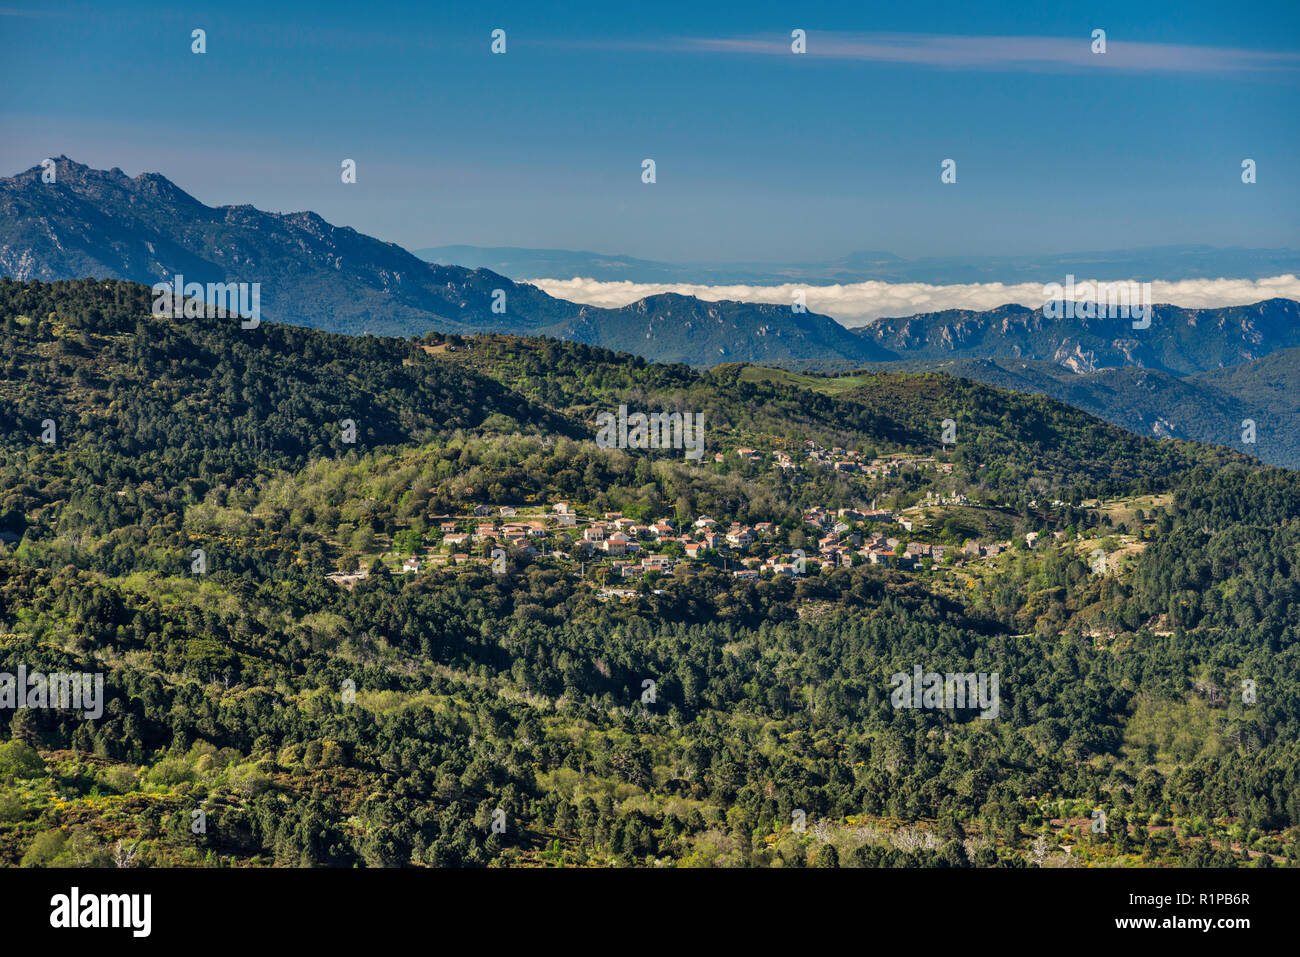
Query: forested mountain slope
{"x": 321, "y": 705}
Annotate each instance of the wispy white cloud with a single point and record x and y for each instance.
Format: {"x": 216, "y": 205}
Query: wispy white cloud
{"x": 856, "y": 304}
{"x": 1008, "y": 53}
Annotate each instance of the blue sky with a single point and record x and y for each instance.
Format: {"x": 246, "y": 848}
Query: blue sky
{"x": 761, "y": 154}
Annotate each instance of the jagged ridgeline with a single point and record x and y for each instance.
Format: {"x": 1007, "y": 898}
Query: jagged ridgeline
{"x": 1223, "y": 376}
{"x": 105, "y": 224}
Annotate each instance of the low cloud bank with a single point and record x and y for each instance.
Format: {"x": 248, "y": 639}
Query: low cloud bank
{"x": 857, "y": 304}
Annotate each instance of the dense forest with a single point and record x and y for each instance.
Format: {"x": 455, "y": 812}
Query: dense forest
{"x": 257, "y": 712}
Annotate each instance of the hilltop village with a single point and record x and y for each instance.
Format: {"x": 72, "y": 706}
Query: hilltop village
{"x": 610, "y": 547}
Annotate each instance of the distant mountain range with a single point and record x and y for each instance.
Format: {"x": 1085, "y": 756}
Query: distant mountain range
{"x": 1180, "y": 341}
{"x": 146, "y": 229}
{"x": 108, "y": 225}
{"x": 1207, "y": 407}
{"x": 1168, "y": 263}
{"x": 1191, "y": 374}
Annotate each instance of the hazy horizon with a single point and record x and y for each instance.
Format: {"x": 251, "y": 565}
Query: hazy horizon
{"x": 760, "y": 152}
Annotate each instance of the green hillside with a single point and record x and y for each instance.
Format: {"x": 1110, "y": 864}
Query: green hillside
{"x": 526, "y": 695}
